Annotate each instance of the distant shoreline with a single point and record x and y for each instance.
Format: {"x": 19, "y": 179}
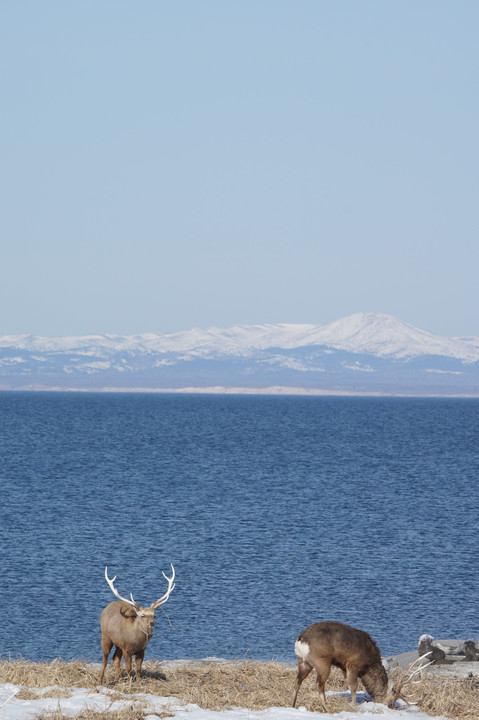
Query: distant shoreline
{"x": 275, "y": 390}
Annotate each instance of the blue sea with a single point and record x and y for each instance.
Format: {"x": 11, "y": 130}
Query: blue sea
{"x": 275, "y": 511}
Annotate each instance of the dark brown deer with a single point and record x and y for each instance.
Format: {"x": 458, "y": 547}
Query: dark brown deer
{"x": 129, "y": 627}
{"x": 332, "y": 643}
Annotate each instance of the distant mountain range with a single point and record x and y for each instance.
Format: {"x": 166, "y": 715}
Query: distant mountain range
{"x": 365, "y": 353}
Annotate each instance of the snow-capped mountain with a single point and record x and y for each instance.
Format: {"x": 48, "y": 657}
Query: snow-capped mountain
{"x": 365, "y": 352}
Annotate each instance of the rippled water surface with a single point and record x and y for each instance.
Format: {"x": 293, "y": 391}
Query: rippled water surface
{"x": 275, "y": 511}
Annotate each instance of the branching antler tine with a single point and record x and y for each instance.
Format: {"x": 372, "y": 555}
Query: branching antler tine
{"x": 408, "y": 675}
{"x": 171, "y": 586}
{"x": 106, "y": 576}
{"x": 115, "y": 591}
{"x": 418, "y": 671}
{"x": 419, "y": 660}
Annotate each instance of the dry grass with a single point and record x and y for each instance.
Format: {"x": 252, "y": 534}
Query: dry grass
{"x": 41, "y": 675}
{"x": 451, "y": 697}
{"x": 49, "y": 692}
{"x": 247, "y": 684}
{"x": 132, "y": 712}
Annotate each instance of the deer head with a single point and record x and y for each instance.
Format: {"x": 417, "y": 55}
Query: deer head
{"x": 146, "y": 614}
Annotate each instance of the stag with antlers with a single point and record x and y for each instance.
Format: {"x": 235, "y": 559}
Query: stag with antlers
{"x": 325, "y": 644}
{"x": 129, "y": 627}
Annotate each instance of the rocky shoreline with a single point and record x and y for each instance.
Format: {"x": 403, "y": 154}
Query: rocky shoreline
{"x": 451, "y": 660}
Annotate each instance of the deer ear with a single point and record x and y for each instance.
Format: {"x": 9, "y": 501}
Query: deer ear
{"x": 128, "y": 611}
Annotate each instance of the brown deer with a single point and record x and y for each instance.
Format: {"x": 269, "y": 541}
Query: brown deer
{"x": 129, "y": 627}
{"x": 332, "y": 643}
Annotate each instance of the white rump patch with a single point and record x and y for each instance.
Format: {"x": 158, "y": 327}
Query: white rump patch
{"x": 301, "y": 649}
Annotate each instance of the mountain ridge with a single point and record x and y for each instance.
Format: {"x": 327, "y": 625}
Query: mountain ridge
{"x": 372, "y": 333}
{"x": 364, "y": 352}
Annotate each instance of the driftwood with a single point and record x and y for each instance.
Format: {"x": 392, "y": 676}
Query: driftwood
{"x": 447, "y": 651}
{"x": 470, "y": 650}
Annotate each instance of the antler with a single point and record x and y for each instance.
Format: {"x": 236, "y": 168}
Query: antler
{"x": 115, "y": 591}
{"x": 410, "y": 673}
{"x": 171, "y": 586}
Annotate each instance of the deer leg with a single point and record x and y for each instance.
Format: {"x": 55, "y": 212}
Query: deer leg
{"x": 304, "y": 669}
{"x": 117, "y": 661}
{"x": 139, "y": 662}
{"x": 127, "y": 659}
{"x": 323, "y": 669}
{"x": 106, "y": 646}
{"x": 353, "y": 685}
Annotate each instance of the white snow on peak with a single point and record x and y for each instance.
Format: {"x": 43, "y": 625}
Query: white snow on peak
{"x": 386, "y": 336}
{"x": 362, "y": 333}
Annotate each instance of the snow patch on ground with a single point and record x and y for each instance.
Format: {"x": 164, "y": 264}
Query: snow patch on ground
{"x": 102, "y": 699}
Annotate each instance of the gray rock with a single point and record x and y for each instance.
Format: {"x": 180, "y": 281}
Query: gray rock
{"x": 470, "y": 650}
{"x": 428, "y": 645}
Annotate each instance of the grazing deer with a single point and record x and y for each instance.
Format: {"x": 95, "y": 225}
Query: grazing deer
{"x": 332, "y": 643}
{"x": 129, "y": 627}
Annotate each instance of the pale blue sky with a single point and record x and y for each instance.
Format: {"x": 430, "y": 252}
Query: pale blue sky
{"x": 187, "y": 163}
